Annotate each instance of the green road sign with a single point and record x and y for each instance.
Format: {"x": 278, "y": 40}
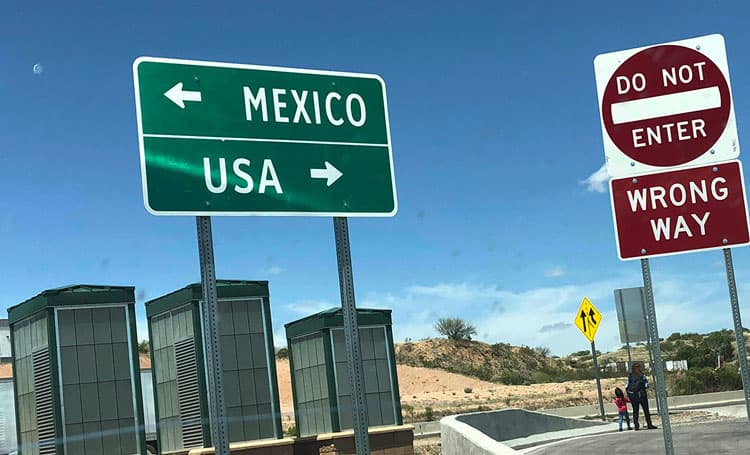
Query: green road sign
{"x": 229, "y": 139}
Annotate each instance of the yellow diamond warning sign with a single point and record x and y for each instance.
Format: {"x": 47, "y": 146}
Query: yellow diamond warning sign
{"x": 588, "y": 319}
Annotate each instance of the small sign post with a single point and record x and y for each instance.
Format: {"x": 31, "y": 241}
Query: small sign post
{"x": 588, "y": 319}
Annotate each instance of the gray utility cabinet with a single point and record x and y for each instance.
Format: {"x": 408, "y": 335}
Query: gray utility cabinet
{"x": 76, "y": 378}
{"x": 320, "y": 375}
{"x": 248, "y": 365}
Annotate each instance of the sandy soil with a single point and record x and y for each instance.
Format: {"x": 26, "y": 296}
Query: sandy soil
{"x": 447, "y": 392}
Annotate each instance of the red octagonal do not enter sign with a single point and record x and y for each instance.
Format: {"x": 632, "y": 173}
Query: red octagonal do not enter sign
{"x": 666, "y": 105}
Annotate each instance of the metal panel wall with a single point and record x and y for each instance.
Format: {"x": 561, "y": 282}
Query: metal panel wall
{"x": 29, "y": 336}
{"x": 97, "y": 382}
{"x": 188, "y": 392}
{"x": 168, "y": 330}
{"x": 378, "y": 385}
{"x": 313, "y": 405}
{"x": 245, "y": 361}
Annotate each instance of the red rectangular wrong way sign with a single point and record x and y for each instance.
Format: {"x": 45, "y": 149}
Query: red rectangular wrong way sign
{"x": 680, "y": 211}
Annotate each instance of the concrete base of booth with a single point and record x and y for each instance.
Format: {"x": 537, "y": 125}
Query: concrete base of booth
{"x": 390, "y": 440}
{"x": 283, "y": 446}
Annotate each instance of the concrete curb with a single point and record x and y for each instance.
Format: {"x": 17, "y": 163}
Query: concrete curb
{"x": 676, "y": 403}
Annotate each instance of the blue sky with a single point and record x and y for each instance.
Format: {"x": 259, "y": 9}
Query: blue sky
{"x": 503, "y": 213}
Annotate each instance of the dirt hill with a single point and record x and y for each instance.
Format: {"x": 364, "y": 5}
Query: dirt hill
{"x": 427, "y": 393}
{"x": 498, "y": 363}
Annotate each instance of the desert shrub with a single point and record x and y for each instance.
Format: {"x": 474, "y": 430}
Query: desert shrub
{"x": 674, "y": 336}
{"x": 455, "y": 329}
{"x": 705, "y": 380}
{"x": 467, "y": 390}
{"x": 512, "y": 378}
{"x": 667, "y": 346}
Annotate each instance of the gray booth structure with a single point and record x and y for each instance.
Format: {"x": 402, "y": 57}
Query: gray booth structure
{"x": 248, "y": 360}
{"x": 320, "y": 377}
{"x": 76, "y": 378}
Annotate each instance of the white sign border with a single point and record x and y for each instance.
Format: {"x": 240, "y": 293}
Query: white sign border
{"x": 726, "y": 147}
{"x": 674, "y": 253}
{"x": 177, "y": 61}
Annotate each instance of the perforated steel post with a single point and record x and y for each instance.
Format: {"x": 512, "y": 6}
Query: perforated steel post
{"x": 351, "y": 335}
{"x": 738, "y": 331}
{"x": 217, "y": 411}
{"x": 658, "y": 365}
{"x": 650, "y": 344}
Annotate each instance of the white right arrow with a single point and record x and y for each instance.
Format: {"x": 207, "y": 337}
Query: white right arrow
{"x": 330, "y": 173}
{"x": 178, "y": 96}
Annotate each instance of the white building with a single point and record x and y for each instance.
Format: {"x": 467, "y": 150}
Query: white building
{"x": 4, "y": 341}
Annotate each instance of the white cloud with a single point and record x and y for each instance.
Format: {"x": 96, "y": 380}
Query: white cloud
{"x": 452, "y": 291}
{"x": 555, "y": 272}
{"x": 544, "y": 316}
{"x": 597, "y": 182}
{"x": 273, "y": 270}
{"x": 279, "y": 337}
{"x": 308, "y": 307}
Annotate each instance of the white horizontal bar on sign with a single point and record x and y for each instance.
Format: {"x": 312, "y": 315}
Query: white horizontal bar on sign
{"x": 255, "y": 139}
{"x": 664, "y": 105}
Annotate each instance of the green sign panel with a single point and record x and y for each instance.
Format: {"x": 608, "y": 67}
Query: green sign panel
{"x": 229, "y": 139}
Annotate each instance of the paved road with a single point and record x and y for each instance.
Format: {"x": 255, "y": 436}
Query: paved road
{"x": 718, "y": 437}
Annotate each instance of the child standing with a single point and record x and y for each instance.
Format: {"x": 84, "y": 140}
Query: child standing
{"x": 621, "y": 401}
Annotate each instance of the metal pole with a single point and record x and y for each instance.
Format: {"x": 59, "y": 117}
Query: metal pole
{"x": 351, "y": 335}
{"x": 216, "y": 409}
{"x": 738, "y": 331}
{"x": 598, "y": 381}
{"x": 630, "y": 360}
{"x": 657, "y": 365}
{"x": 650, "y": 344}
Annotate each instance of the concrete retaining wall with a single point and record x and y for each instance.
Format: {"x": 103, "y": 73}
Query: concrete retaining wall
{"x": 458, "y": 438}
{"x": 497, "y": 432}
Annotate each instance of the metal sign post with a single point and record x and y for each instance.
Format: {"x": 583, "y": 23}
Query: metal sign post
{"x": 598, "y": 381}
{"x": 738, "y": 331}
{"x": 657, "y": 365}
{"x": 649, "y": 346}
{"x": 351, "y": 335}
{"x": 218, "y": 424}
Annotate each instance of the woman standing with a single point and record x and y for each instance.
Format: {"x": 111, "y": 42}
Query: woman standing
{"x": 637, "y": 388}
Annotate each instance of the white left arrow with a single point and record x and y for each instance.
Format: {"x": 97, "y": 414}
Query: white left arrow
{"x": 178, "y": 96}
{"x": 330, "y": 173}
